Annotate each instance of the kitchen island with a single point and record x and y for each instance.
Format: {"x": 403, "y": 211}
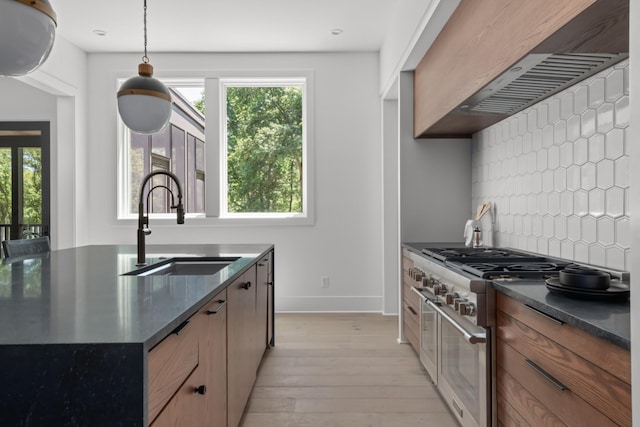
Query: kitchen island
{"x": 76, "y": 333}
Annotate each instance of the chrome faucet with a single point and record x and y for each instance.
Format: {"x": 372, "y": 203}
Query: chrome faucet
{"x": 143, "y": 220}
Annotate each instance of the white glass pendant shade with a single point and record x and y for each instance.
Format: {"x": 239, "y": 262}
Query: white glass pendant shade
{"x": 27, "y": 33}
{"x": 144, "y": 103}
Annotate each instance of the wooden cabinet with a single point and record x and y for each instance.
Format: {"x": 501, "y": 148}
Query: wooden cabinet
{"x": 411, "y": 304}
{"x": 204, "y": 371}
{"x": 485, "y": 38}
{"x": 241, "y": 344}
{"x": 175, "y": 371}
{"x": 213, "y": 352}
{"x": 550, "y": 373}
{"x": 264, "y": 305}
{"x": 188, "y": 371}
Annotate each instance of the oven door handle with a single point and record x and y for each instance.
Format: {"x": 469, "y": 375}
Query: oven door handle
{"x": 472, "y": 338}
{"x": 420, "y": 294}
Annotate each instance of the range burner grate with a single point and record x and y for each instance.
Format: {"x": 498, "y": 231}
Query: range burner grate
{"x": 513, "y": 269}
{"x": 477, "y": 254}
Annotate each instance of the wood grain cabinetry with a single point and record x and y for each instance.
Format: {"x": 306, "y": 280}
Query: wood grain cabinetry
{"x": 550, "y": 373}
{"x": 188, "y": 371}
{"x": 241, "y": 344}
{"x": 175, "y": 371}
{"x": 214, "y": 354}
{"x": 484, "y": 38}
{"x": 264, "y": 305}
{"x": 202, "y": 374}
{"x": 410, "y": 305}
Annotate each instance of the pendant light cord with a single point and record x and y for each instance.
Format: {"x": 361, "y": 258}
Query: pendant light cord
{"x": 145, "y": 58}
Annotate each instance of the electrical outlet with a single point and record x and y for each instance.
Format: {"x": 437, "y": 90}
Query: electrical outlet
{"x": 324, "y": 282}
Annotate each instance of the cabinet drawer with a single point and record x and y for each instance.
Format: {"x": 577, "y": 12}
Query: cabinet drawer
{"x": 409, "y": 296}
{"x": 537, "y": 399}
{"x": 187, "y": 407}
{"x": 412, "y": 327}
{"x": 601, "y": 353}
{"x": 604, "y": 391}
{"x": 170, "y": 363}
{"x": 407, "y": 263}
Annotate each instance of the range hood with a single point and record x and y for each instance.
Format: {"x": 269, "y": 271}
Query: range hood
{"x": 534, "y": 78}
{"x": 495, "y": 58}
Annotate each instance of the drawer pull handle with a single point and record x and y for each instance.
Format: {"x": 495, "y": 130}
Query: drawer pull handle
{"x": 246, "y": 285}
{"x": 412, "y": 310}
{"x": 269, "y": 283}
{"x": 222, "y": 304}
{"x": 546, "y": 375}
{"x": 180, "y": 327}
{"x": 543, "y": 314}
{"x": 202, "y": 389}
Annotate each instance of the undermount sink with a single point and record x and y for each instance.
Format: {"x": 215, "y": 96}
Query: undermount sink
{"x": 185, "y": 267}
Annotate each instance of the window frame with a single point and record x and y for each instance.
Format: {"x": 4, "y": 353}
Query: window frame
{"x": 214, "y": 144}
{"x": 215, "y": 198}
{"x": 124, "y": 196}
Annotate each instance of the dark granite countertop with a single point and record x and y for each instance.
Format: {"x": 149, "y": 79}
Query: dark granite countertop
{"x": 608, "y": 320}
{"x": 79, "y": 296}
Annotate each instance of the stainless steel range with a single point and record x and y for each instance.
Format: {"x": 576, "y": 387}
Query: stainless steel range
{"x": 457, "y": 318}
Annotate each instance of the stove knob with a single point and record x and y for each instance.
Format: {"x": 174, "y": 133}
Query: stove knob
{"x": 457, "y": 302}
{"x": 467, "y": 308}
{"x": 451, "y": 297}
{"x": 425, "y": 281}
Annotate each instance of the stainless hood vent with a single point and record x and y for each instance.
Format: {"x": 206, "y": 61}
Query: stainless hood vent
{"x": 535, "y": 78}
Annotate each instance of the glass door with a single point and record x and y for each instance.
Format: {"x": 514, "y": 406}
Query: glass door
{"x": 24, "y": 180}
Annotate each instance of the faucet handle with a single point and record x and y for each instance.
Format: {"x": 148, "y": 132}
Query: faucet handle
{"x": 146, "y": 231}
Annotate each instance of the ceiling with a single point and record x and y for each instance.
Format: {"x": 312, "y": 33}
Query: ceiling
{"x": 225, "y": 25}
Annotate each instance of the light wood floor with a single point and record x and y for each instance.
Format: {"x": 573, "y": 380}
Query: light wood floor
{"x": 342, "y": 370}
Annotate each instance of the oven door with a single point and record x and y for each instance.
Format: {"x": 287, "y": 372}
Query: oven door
{"x": 428, "y": 337}
{"x": 463, "y": 371}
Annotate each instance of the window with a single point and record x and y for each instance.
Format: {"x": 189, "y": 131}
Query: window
{"x": 262, "y": 149}
{"x": 174, "y": 149}
{"x": 263, "y": 125}
{"x": 249, "y": 164}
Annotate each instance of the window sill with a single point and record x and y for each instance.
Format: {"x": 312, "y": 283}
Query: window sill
{"x": 202, "y": 221}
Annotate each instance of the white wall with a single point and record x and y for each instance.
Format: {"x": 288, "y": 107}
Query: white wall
{"x": 56, "y": 92}
{"x": 345, "y": 241}
{"x": 634, "y": 178}
{"x": 390, "y": 210}
{"x": 414, "y": 26}
{"x": 435, "y": 177}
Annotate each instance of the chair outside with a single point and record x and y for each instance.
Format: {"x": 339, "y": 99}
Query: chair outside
{"x": 38, "y": 245}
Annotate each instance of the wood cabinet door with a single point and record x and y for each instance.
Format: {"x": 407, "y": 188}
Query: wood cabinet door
{"x": 262, "y": 307}
{"x": 214, "y": 357}
{"x": 241, "y": 365}
{"x": 186, "y": 407}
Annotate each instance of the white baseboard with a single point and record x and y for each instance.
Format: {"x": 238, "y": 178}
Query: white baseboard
{"x": 328, "y": 304}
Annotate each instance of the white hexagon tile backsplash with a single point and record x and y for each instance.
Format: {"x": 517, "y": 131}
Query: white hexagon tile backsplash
{"x": 557, "y": 174}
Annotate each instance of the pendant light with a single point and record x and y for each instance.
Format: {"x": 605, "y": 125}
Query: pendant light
{"x": 27, "y": 32}
{"x": 144, "y": 103}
